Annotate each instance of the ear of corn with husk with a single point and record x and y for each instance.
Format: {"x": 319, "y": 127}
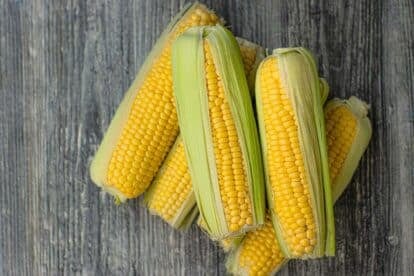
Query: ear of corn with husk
{"x": 218, "y": 129}
{"x": 348, "y": 134}
{"x": 349, "y": 115}
{"x": 171, "y": 196}
{"x": 292, "y": 127}
{"x": 145, "y": 124}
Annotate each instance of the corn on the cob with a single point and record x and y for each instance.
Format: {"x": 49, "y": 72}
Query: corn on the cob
{"x": 145, "y": 124}
{"x": 259, "y": 252}
{"x": 348, "y": 133}
{"x": 171, "y": 196}
{"x": 292, "y": 130}
{"x": 218, "y": 129}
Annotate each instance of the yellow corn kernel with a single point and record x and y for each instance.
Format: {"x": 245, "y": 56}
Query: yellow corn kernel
{"x": 145, "y": 125}
{"x": 218, "y": 129}
{"x": 259, "y": 252}
{"x": 170, "y": 195}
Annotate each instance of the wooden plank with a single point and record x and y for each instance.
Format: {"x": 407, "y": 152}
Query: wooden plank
{"x": 64, "y": 66}
{"x": 396, "y": 128}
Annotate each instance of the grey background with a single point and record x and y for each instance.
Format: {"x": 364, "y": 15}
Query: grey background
{"x": 64, "y": 66}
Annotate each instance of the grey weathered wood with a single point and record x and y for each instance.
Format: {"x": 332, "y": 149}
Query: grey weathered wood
{"x": 64, "y": 66}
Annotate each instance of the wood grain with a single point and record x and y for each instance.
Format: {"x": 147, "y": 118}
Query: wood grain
{"x": 64, "y": 66}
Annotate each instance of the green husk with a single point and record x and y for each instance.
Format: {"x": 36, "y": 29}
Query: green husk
{"x": 324, "y": 90}
{"x": 192, "y": 107}
{"x": 189, "y": 219}
{"x": 305, "y": 90}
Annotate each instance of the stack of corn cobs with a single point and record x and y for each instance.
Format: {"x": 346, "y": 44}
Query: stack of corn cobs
{"x": 216, "y": 131}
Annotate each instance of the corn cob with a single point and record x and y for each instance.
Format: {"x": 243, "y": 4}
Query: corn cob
{"x": 346, "y": 148}
{"x": 348, "y": 134}
{"x": 145, "y": 124}
{"x": 292, "y": 128}
{"x": 171, "y": 196}
{"x": 218, "y": 129}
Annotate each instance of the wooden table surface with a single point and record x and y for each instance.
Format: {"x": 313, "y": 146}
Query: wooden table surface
{"x": 64, "y": 66}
